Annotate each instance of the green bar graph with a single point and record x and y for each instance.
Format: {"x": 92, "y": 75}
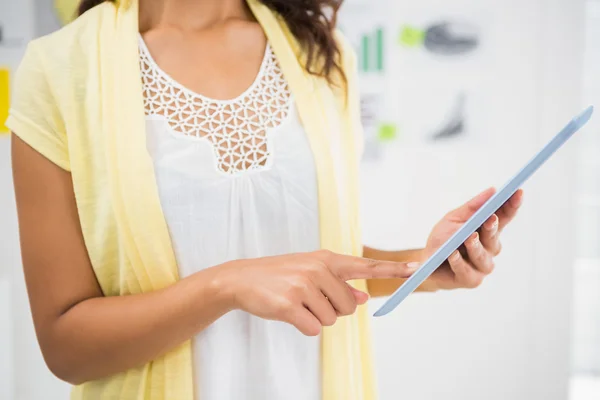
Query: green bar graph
{"x": 379, "y": 45}
{"x": 365, "y": 50}
{"x": 372, "y": 49}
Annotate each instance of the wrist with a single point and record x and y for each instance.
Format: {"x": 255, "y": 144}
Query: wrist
{"x": 430, "y": 285}
{"x": 222, "y": 286}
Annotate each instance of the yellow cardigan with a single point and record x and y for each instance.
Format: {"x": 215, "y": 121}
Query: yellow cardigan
{"x": 78, "y": 101}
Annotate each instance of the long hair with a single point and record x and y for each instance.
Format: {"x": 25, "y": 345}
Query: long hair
{"x": 312, "y": 22}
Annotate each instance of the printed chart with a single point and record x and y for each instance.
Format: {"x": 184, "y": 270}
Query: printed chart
{"x": 420, "y": 72}
{"x": 371, "y": 53}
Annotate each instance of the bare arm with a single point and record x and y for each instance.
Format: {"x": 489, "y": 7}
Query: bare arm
{"x": 84, "y": 335}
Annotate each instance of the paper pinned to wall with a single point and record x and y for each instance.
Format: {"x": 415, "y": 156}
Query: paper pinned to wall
{"x": 4, "y": 99}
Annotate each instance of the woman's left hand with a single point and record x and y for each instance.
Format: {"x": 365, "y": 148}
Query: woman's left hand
{"x": 468, "y": 266}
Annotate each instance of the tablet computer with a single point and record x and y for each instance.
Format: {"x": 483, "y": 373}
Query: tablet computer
{"x": 482, "y": 215}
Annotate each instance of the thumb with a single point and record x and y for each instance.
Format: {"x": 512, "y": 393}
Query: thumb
{"x": 465, "y": 211}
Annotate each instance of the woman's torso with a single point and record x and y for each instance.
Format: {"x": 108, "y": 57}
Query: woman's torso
{"x": 237, "y": 180}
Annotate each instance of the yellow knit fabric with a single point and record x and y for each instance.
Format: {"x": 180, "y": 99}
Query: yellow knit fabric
{"x": 78, "y": 101}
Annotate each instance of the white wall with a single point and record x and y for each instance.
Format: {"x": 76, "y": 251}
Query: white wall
{"x": 6, "y": 356}
{"x": 507, "y": 340}
{"x": 510, "y": 338}
{"x": 16, "y": 27}
{"x": 28, "y": 378}
{"x": 586, "y": 316}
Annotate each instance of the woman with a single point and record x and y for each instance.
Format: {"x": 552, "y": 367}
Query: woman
{"x": 186, "y": 180}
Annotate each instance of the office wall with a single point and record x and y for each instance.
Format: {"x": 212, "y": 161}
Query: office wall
{"x": 586, "y": 318}
{"x": 28, "y": 378}
{"x": 13, "y": 19}
{"x": 510, "y": 338}
{"x": 507, "y": 340}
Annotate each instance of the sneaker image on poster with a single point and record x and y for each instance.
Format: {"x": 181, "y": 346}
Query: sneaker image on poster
{"x": 443, "y": 38}
{"x": 455, "y": 123}
{"x": 451, "y": 38}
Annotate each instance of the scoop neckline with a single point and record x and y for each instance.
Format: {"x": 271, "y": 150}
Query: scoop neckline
{"x": 175, "y": 83}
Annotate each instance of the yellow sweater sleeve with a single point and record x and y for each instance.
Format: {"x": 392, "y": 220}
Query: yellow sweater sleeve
{"x": 34, "y": 115}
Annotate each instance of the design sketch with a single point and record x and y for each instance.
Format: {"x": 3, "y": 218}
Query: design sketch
{"x": 448, "y": 38}
{"x": 443, "y": 38}
{"x": 369, "y": 119}
{"x": 455, "y": 123}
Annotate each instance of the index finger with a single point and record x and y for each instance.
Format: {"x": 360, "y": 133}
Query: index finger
{"x": 350, "y": 267}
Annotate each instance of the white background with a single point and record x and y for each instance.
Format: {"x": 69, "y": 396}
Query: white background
{"x": 507, "y": 340}
{"x": 586, "y": 319}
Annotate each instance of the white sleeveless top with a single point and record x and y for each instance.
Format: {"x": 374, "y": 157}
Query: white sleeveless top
{"x": 237, "y": 180}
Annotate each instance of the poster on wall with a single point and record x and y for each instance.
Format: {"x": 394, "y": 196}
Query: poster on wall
{"x": 365, "y": 26}
{"x": 422, "y": 70}
{"x": 442, "y": 56}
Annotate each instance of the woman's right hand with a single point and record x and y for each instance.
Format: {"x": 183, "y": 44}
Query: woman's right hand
{"x": 307, "y": 290}
{"x": 75, "y": 322}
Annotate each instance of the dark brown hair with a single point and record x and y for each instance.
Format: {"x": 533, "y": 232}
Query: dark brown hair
{"x": 312, "y": 22}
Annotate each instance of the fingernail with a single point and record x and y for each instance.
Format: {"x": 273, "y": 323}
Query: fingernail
{"x": 493, "y": 225}
{"x": 454, "y": 256}
{"x": 413, "y": 265}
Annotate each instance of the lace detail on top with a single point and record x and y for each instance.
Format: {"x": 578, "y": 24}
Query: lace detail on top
{"x": 237, "y": 128}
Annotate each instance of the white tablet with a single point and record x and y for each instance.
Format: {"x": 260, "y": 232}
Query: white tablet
{"x": 483, "y": 214}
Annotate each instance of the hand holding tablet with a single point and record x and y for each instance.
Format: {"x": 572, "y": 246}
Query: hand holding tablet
{"x": 469, "y": 266}
{"x": 484, "y": 213}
